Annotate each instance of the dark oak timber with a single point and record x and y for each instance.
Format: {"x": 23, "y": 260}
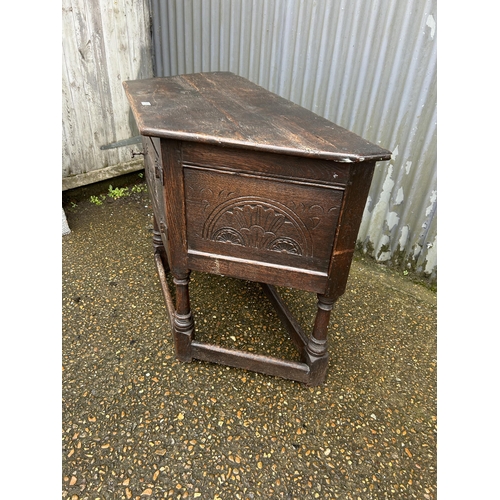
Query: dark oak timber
{"x": 247, "y": 184}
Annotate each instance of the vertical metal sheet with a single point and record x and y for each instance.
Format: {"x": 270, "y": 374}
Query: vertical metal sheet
{"x": 367, "y": 65}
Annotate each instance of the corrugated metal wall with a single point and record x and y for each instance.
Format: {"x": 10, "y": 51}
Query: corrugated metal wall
{"x": 104, "y": 43}
{"x": 367, "y": 65}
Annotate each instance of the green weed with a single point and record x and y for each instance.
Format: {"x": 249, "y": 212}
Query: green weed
{"x": 97, "y": 200}
{"x": 117, "y": 192}
{"x": 139, "y": 188}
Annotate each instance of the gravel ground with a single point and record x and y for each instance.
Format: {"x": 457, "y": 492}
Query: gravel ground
{"x": 138, "y": 424}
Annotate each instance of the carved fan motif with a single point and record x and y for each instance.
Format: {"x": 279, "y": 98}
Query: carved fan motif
{"x": 285, "y": 245}
{"x": 258, "y": 224}
{"x": 228, "y": 235}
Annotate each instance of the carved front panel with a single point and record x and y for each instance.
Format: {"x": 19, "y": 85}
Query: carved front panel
{"x": 261, "y": 219}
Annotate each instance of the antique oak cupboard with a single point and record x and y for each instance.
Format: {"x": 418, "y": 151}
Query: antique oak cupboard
{"x": 247, "y": 184}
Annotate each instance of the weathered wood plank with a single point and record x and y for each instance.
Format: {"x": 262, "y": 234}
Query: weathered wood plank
{"x": 103, "y": 44}
{"x": 232, "y": 111}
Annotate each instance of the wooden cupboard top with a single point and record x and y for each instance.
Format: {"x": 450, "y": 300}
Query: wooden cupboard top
{"x": 228, "y": 110}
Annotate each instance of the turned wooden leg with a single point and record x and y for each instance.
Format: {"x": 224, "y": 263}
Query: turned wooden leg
{"x": 158, "y": 244}
{"x": 316, "y": 352}
{"x": 183, "y": 319}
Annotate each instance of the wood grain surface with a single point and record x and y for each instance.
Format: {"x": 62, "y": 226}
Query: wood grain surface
{"x": 231, "y": 111}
